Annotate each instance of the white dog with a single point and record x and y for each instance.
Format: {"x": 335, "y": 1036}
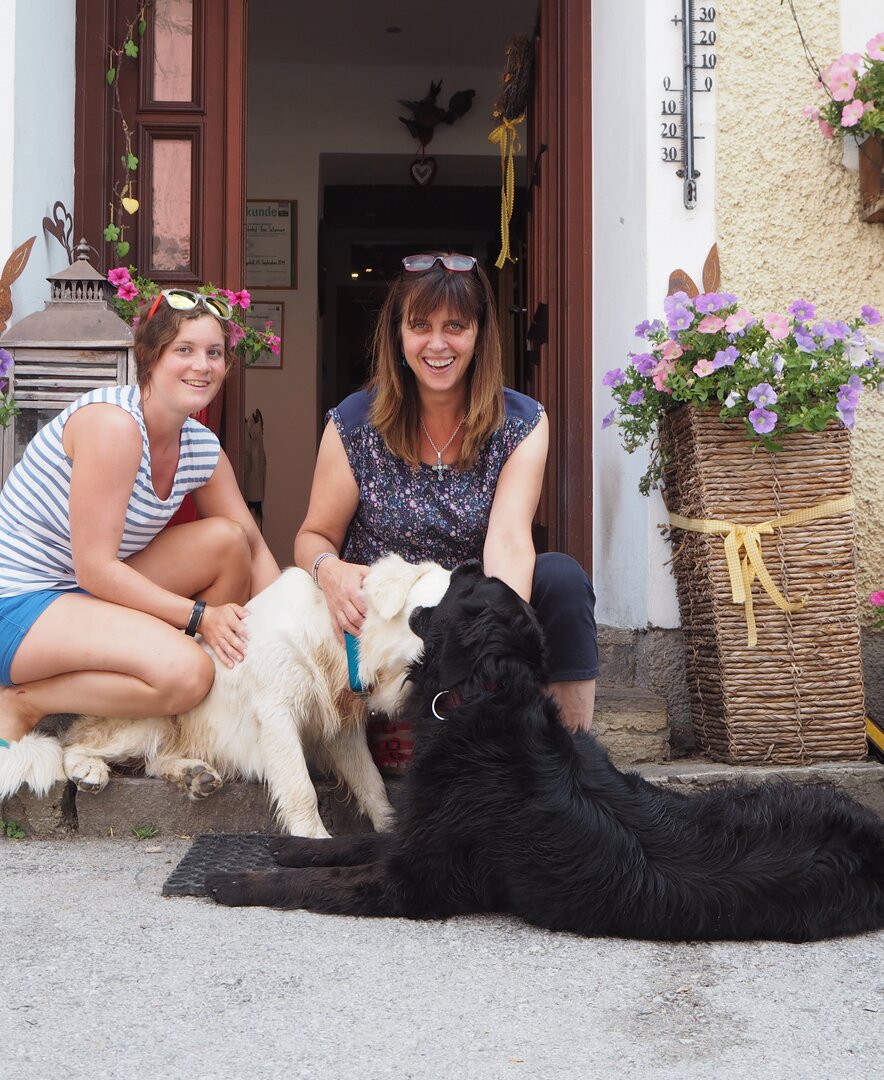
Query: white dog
{"x": 290, "y": 694}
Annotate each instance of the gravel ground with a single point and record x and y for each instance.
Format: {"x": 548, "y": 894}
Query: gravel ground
{"x": 104, "y": 977}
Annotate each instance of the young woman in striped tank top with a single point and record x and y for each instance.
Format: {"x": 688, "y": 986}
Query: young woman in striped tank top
{"x": 94, "y": 590}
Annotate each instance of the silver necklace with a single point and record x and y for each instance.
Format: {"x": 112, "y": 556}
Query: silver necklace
{"x": 439, "y": 468}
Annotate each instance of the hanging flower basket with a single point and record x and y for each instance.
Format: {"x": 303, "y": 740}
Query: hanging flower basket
{"x": 871, "y": 178}
{"x": 774, "y": 673}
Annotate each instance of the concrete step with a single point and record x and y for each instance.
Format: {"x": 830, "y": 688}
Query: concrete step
{"x": 632, "y": 723}
{"x": 129, "y": 803}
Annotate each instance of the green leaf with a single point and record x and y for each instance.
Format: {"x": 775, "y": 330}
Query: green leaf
{"x": 123, "y": 248}
{"x": 111, "y": 233}
{"x": 130, "y": 48}
{"x": 131, "y": 162}
{"x": 142, "y": 27}
{"x": 111, "y": 75}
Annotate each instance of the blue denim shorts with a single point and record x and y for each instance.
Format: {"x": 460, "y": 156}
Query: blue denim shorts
{"x": 17, "y": 615}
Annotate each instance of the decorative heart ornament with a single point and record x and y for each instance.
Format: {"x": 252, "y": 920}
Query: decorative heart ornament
{"x": 423, "y": 171}
{"x": 130, "y": 205}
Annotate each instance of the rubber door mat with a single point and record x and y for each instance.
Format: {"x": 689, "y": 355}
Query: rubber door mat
{"x": 218, "y": 853}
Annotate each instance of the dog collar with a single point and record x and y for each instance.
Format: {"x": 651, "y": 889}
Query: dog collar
{"x": 454, "y": 699}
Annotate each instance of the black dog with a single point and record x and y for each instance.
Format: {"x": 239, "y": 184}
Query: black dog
{"x": 504, "y": 811}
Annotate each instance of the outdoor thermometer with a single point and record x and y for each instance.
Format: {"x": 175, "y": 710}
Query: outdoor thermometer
{"x": 698, "y": 60}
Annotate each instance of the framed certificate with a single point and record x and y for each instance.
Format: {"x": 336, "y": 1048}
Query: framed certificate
{"x": 271, "y": 244}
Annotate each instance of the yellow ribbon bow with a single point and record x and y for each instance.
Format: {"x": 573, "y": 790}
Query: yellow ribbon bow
{"x": 506, "y": 135}
{"x": 747, "y": 539}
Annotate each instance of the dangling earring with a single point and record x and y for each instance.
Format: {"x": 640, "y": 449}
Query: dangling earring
{"x": 402, "y": 360}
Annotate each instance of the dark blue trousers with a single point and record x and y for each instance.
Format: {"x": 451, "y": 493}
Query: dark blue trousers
{"x": 563, "y": 599}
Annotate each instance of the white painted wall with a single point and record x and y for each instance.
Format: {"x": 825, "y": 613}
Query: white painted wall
{"x": 642, "y": 232}
{"x": 37, "y": 70}
{"x": 297, "y": 113}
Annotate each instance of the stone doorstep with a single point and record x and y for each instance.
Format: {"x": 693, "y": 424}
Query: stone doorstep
{"x": 134, "y": 802}
{"x": 633, "y": 725}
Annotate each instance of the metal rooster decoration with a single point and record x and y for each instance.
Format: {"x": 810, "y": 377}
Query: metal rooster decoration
{"x": 426, "y": 115}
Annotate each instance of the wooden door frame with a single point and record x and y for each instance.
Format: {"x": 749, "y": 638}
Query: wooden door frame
{"x": 560, "y": 271}
{"x": 97, "y": 147}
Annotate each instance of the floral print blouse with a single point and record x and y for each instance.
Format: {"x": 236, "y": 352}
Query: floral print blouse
{"x": 421, "y": 514}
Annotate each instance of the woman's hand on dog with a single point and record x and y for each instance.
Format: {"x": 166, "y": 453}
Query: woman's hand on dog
{"x": 223, "y": 630}
{"x": 341, "y": 583}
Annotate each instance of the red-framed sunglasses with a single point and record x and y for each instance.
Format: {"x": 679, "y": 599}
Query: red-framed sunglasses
{"x": 185, "y": 300}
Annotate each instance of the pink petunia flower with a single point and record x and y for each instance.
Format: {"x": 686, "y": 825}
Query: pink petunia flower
{"x": 852, "y": 113}
{"x": 661, "y": 373}
{"x": 243, "y": 298}
{"x": 703, "y": 367}
{"x": 875, "y": 47}
{"x": 738, "y": 321}
{"x": 236, "y": 333}
{"x": 827, "y": 129}
{"x": 711, "y": 324}
{"x": 275, "y": 343}
{"x": 118, "y": 276}
{"x": 811, "y": 112}
{"x": 127, "y": 291}
{"x": 840, "y": 81}
{"x": 877, "y": 598}
{"x": 671, "y": 351}
{"x": 776, "y": 325}
{"x": 853, "y": 61}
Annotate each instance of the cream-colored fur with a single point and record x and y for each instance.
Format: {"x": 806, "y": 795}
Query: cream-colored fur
{"x": 289, "y": 697}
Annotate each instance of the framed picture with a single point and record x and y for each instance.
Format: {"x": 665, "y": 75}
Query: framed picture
{"x": 257, "y": 317}
{"x": 271, "y": 244}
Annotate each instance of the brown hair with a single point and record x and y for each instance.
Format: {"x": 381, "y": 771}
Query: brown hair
{"x": 154, "y": 334}
{"x": 395, "y": 410}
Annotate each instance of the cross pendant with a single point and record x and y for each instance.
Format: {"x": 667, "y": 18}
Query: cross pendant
{"x": 439, "y": 469}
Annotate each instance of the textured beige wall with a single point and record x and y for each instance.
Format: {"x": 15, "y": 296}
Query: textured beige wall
{"x": 788, "y": 211}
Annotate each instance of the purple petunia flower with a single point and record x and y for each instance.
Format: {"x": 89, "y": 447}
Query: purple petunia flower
{"x": 608, "y": 420}
{"x": 642, "y": 329}
{"x": 725, "y": 357}
{"x": 763, "y": 394}
{"x": 644, "y": 363}
{"x": 802, "y": 310}
{"x": 778, "y": 363}
{"x": 5, "y": 361}
{"x": 615, "y": 377}
{"x": 636, "y": 397}
{"x": 732, "y": 398}
{"x": 762, "y": 420}
{"x": 872, "y": 316}
{"x": 708, "y": 303}
{"x": 679, "y": 317}
{"x": 804, "y": 340}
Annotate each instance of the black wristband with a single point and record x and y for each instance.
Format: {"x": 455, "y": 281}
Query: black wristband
{"x": 193, "y": 622}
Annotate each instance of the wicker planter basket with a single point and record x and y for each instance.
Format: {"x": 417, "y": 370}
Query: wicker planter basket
{"x": 797, "y": 695}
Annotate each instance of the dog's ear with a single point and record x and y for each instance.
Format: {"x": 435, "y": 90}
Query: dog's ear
{"x": 388, "y": 583}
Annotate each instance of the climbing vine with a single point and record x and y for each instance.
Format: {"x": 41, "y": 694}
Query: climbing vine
{"x": 124, "y": 204}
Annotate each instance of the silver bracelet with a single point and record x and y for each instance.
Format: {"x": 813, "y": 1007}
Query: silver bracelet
{"x": 317, "y": 562}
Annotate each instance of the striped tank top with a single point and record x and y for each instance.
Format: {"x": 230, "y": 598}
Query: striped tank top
{"x": 35, "y": 528}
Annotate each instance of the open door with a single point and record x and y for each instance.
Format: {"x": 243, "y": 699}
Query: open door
{"x": 183, "y": 102}
{"x": 560, "y": 269}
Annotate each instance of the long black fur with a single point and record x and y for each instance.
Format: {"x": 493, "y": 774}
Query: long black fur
{"x": 503, "y": 810}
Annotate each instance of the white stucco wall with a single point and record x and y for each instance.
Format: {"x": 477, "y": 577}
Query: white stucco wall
{"x": 296, "y": 114}
{"x": 782, "y": 206}
{"x": 37, "y": 67}
{"x": 789, "y": 202}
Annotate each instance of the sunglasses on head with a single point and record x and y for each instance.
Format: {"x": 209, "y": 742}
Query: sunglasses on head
{"x": 421, "y": 263}
{"x": 185, "y": 300}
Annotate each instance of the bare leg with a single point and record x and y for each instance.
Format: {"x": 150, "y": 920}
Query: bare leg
{"x": 577, "y": 702}
{"x": 89, "y": 656}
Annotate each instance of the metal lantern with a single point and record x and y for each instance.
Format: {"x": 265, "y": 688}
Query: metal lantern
{"x": 76, "y": 344}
